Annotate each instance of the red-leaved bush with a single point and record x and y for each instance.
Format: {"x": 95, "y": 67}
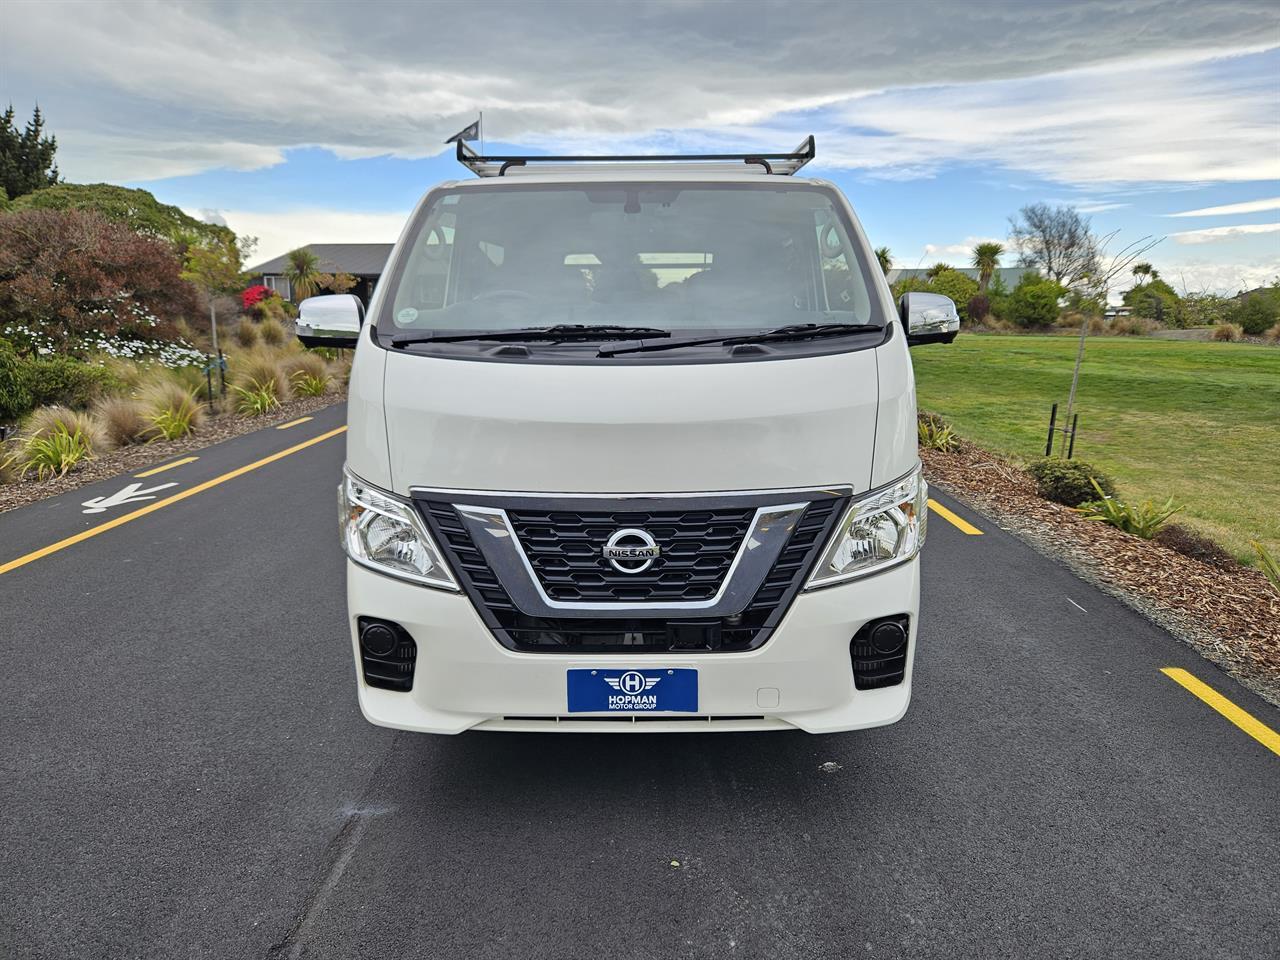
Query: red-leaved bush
{"x": 68, "y": 273}
{"x": 251, "y": 296}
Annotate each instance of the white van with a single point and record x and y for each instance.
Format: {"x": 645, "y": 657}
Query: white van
{"x": 632, "y": 447}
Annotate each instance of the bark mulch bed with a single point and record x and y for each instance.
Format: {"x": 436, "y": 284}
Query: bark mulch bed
{"x": 216, "y": 428}
{"x": 1231, "y": 616}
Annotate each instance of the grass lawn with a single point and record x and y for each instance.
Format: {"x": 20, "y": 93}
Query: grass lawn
{"x": 1196, "y": 421}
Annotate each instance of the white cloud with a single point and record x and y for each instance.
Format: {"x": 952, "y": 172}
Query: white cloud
{"x": 194, "y": 86}
{"x": 85, "y": 157}
{"x": 1249, "y": 206}
{"x": 279, "y": 233}
{"x": 1212, "y": 234}
{"x": 1205, "y": 276}
{"x": 1091, "y": 126}
{"x": 962, "y": 252}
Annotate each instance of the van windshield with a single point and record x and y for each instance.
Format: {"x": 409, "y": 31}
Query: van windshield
{"x": 680, "y": 257}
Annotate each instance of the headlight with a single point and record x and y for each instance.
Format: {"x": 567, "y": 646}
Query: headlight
{"x": 883, "y": 528}
{"x": 386, "y": 534}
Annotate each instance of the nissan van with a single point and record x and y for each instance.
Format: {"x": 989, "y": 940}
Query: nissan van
{"x": 632, "y": 447}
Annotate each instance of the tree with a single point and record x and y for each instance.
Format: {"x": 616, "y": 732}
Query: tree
{"x": 1057, "y": 241}
{"x": 303, "y": 273}
{"x": 936, "y": 269}
{"x": 1155, "y": 299}
{"x": 986, "y": 257}
{"x": 137, "y": 209}
{"x": 215, "y": 265}
{"x": 26, "y": 158}
{"x": 337, "y": 282}
{"x": 885, "y": 259}
{"x": 1141, "y": 272}
{"x": 67, "y": 275}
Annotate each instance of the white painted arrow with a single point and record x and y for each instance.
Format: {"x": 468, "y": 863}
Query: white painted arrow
{"x": 133, "y": 493}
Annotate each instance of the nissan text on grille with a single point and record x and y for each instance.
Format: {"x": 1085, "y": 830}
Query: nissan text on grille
{"x": 632, "y": 447}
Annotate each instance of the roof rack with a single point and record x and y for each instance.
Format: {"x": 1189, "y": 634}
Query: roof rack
{"x": 782, "y": 164}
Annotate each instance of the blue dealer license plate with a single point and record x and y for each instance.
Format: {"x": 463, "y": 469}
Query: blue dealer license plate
{"x": 633, "y": 691}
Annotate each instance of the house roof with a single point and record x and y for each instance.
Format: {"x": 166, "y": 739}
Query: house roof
{"x": 1008, "y": 275}
{"x": 359, "y": 259}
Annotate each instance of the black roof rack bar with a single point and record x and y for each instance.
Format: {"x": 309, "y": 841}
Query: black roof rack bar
{"x": 783, "y": 164}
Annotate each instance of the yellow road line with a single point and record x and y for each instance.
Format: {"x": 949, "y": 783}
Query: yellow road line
{"x": 293, "y": 423}
{"x": 168, "y": 466}
{"x": 964, "y": 526}
{"x": 1245, "y": 721}
{"x": 161, "y": 504}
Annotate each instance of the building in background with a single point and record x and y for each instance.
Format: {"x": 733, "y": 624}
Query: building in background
{"x": 364, "y": 261}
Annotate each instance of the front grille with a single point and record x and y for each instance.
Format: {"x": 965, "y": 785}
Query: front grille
{"x": 600, "y": 632}
{"x": 565, "y": 550}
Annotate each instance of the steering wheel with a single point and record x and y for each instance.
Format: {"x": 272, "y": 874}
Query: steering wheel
{"x": 494, "y": 294}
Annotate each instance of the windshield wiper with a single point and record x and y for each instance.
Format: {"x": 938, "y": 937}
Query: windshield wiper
{"x": 792, "y": 331}
{"x": 559, "y": 331}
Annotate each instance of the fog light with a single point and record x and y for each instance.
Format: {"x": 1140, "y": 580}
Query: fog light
{"x": 888, "y": 637}
{"x": 378, "y": 639}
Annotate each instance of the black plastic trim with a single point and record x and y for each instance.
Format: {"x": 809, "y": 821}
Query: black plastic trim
{"x": 747, "y": 631}
{"x": 392, "y": 671}
{"x": 872, "y": 669}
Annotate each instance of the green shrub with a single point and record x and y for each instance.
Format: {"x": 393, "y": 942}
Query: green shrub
{"x": 10, "y": 462}
{"x": 246, "y": 333}
{"x": 193, "y": 380}
{"x": 1270, "y": 566}
{"x": 172, "y": 411}
{"x": 1256, "y": 312}
{"x": 272, "y": 332}
{"x": 256, "y": 399}
{"x": 309, "y": 385}
{"x": 1143, "y": 520}
{"x": 16, "y": 397}
{"x": 46, "y": 421}
{"x": 1068, "y": 482}
{"x": 53, "y": 454}
{"x": 262, "y": 369}
{"x": 124, "y": 420}
{"x": 1154, "y": 299}
{"x": 1033, "y": 302}
{"x": 70, "y": 383}
{"x": 936, "y": 436}
{"x": 303, "y": 361}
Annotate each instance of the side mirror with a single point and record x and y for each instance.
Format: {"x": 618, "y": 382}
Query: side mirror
{"x": 330, "y": 321}
{"x": 928, "y": 318}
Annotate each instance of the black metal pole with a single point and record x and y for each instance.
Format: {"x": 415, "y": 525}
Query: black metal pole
{"x": 208, "y": 381}
{"x": 1053, "y": 418}
{"x": 222, "y": 373}
{"x": 1072, "y": 446}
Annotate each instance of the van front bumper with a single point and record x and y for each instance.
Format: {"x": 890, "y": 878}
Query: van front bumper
{"x": 801, "y": 678}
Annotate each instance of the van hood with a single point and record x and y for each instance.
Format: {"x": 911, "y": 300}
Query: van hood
{"x": 620, "y": 428}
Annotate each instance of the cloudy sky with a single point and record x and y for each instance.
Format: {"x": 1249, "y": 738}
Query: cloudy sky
{"x": 323, "y": 121}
